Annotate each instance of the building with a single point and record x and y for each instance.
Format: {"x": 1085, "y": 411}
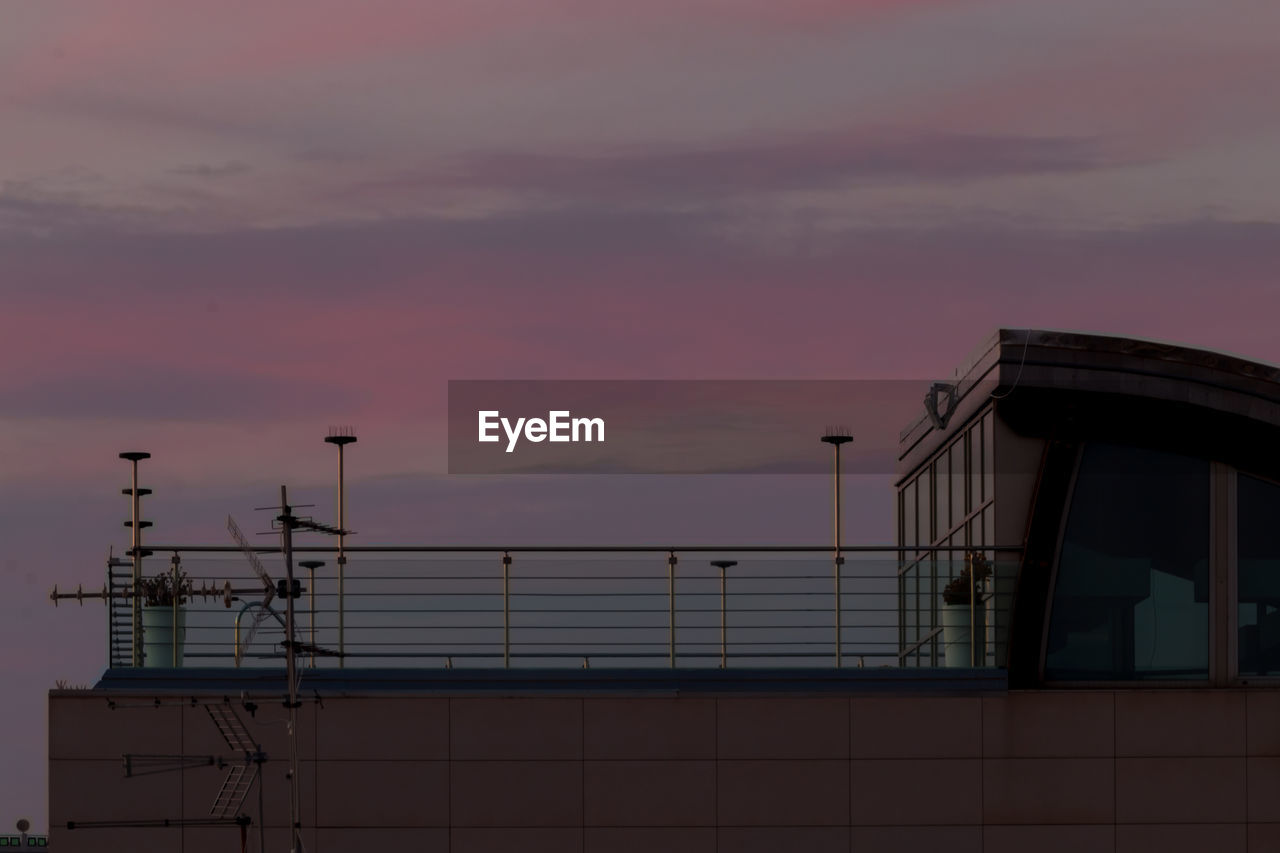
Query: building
{"x": 1112, "y": 501}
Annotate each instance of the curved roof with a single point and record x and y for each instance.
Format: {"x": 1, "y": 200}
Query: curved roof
{"x": 1024, "y": 369}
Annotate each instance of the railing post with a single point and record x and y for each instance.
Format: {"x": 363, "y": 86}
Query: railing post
{"x": 839, "y": 564}
{"x": 671, "y": 606}
{"x": 506, "y": 609}
{"x": 973, "y": 627}
{"x": 724, "y": 634}
{"x": 836, "y": 436}
{"x": 176, "y": 562}
{"x": 311, "y": 566}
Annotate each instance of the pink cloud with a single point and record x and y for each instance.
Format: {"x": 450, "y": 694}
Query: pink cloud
{"x": 205, "y": 42}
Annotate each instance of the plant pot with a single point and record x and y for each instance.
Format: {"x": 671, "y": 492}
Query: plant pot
{"x": 157, "y": 635}
{"x": 957, "y": 635}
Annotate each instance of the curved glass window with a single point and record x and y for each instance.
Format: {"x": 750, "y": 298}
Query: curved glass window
{"x": 1131, "y": 599}
{"x": 1258, "y": 575}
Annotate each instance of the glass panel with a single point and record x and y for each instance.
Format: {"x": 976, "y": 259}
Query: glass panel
{"x": 988, "y": 458}
{"x": 925, "y": 515}
{"x": 909, "y": 534}
{"x": 942, "y": 497}
{"x": 973, "y": 474}
{"x": 989, "y": 526}
{"x": 958, "y": 487}
{"x": 1258, "y": 572}
{"x": 1131, "y": 600}
{"x": 910, "y": 585}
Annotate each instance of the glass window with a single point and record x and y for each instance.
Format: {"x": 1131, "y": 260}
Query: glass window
{"x": 1131, "y": 599}
{"x": 958, "y": 483}
{"x": 1258, "y": 576}
{"x": 973, "y": 474}
{"x": 988, "y": 458}
{"x": 925, "y": 514}
{"x": 942, "y": 499}
{"x": 909, "y": 534}
{"x": 910, "y": 586}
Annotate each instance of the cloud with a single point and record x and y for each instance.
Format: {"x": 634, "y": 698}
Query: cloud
{"x": 671, "y": 175}
{"x": 392, "y": 309}
{"x": 212, "y": 170}
{"x": 817, "y": 161}
{"x": 163, "y": 391}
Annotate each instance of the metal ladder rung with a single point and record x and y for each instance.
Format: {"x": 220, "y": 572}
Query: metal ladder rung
{"x": 233, "y": 791}
{"x": 231, "y": 728}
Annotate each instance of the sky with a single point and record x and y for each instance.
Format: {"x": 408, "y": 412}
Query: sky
{"x": 226, "y": 226}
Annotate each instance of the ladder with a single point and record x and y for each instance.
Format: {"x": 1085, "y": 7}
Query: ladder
{"x": 239, "y": 778}
{"x": 234, "y": 789}
{"x": 119, "y": 615}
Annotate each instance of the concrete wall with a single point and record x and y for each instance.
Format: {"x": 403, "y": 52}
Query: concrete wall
{"x": 1122, "y": 770}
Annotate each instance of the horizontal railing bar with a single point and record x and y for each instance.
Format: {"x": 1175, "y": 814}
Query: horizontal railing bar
{"x": 582, "y": 549}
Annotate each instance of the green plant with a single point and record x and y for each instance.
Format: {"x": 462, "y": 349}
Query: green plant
{"x": 957, "y": 591}
{"x": 161, "y": 590}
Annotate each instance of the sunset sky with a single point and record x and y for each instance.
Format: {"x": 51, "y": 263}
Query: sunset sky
{"x": 226, "y": 226}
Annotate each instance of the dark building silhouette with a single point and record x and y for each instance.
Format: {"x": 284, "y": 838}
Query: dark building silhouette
{"x": 1087, "y": 637}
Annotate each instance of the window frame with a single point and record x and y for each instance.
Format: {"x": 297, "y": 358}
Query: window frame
{"x": 1222, "y": 539}
{"x": 1231, "y": 514}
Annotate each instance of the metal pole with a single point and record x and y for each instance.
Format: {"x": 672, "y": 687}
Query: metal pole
{"x": 839, "y": 560}
{"x": 973, "y": 628}
{"x": 262, "y": 818}
{"x": 236, "y": 642}
{"x": 311, "y": 617}
{"x": 176, "y": 562}
{"x": 724, "y": 637}
{"x": 111, "y": 628}
{"x": 671, "y": 606}
{"x": 722, "y": 565}
{"x": 341, "y": 437}
{"x": 135, "y": 550}
{"x": 342, "y": 560}
{"x": 311, "y": 566}
{"x": 836, "y": 437}
{"x": 506, "y": 609}
{"x": 286, "y": 534}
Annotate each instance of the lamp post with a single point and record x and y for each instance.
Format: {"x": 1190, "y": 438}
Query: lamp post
{"x": 311, "y": 566}
{"x": 836, "y": 437}
{"x": 724, "y": 637}
{"x": 136, "y": 551}
{"x": 341, "y": 437}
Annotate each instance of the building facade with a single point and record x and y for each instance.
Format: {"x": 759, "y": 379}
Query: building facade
{"x": 1113, "y": 503}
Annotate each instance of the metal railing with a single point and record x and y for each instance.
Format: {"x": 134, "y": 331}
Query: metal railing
{"x": 600, "y": 607}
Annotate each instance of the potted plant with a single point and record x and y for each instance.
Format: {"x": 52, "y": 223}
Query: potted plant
{"x": 964, "y": 619}
{"x": 164, "y": 623}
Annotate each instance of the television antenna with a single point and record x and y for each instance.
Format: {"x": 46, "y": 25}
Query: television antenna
{"x": 288, "y": 589}
{"x": 268, "y": 594}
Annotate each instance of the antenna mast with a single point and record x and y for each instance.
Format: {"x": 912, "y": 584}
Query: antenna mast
{"x": 341, "y": 436}
{"x": 136, "y": 550}
{"x": 287, "y": 523}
